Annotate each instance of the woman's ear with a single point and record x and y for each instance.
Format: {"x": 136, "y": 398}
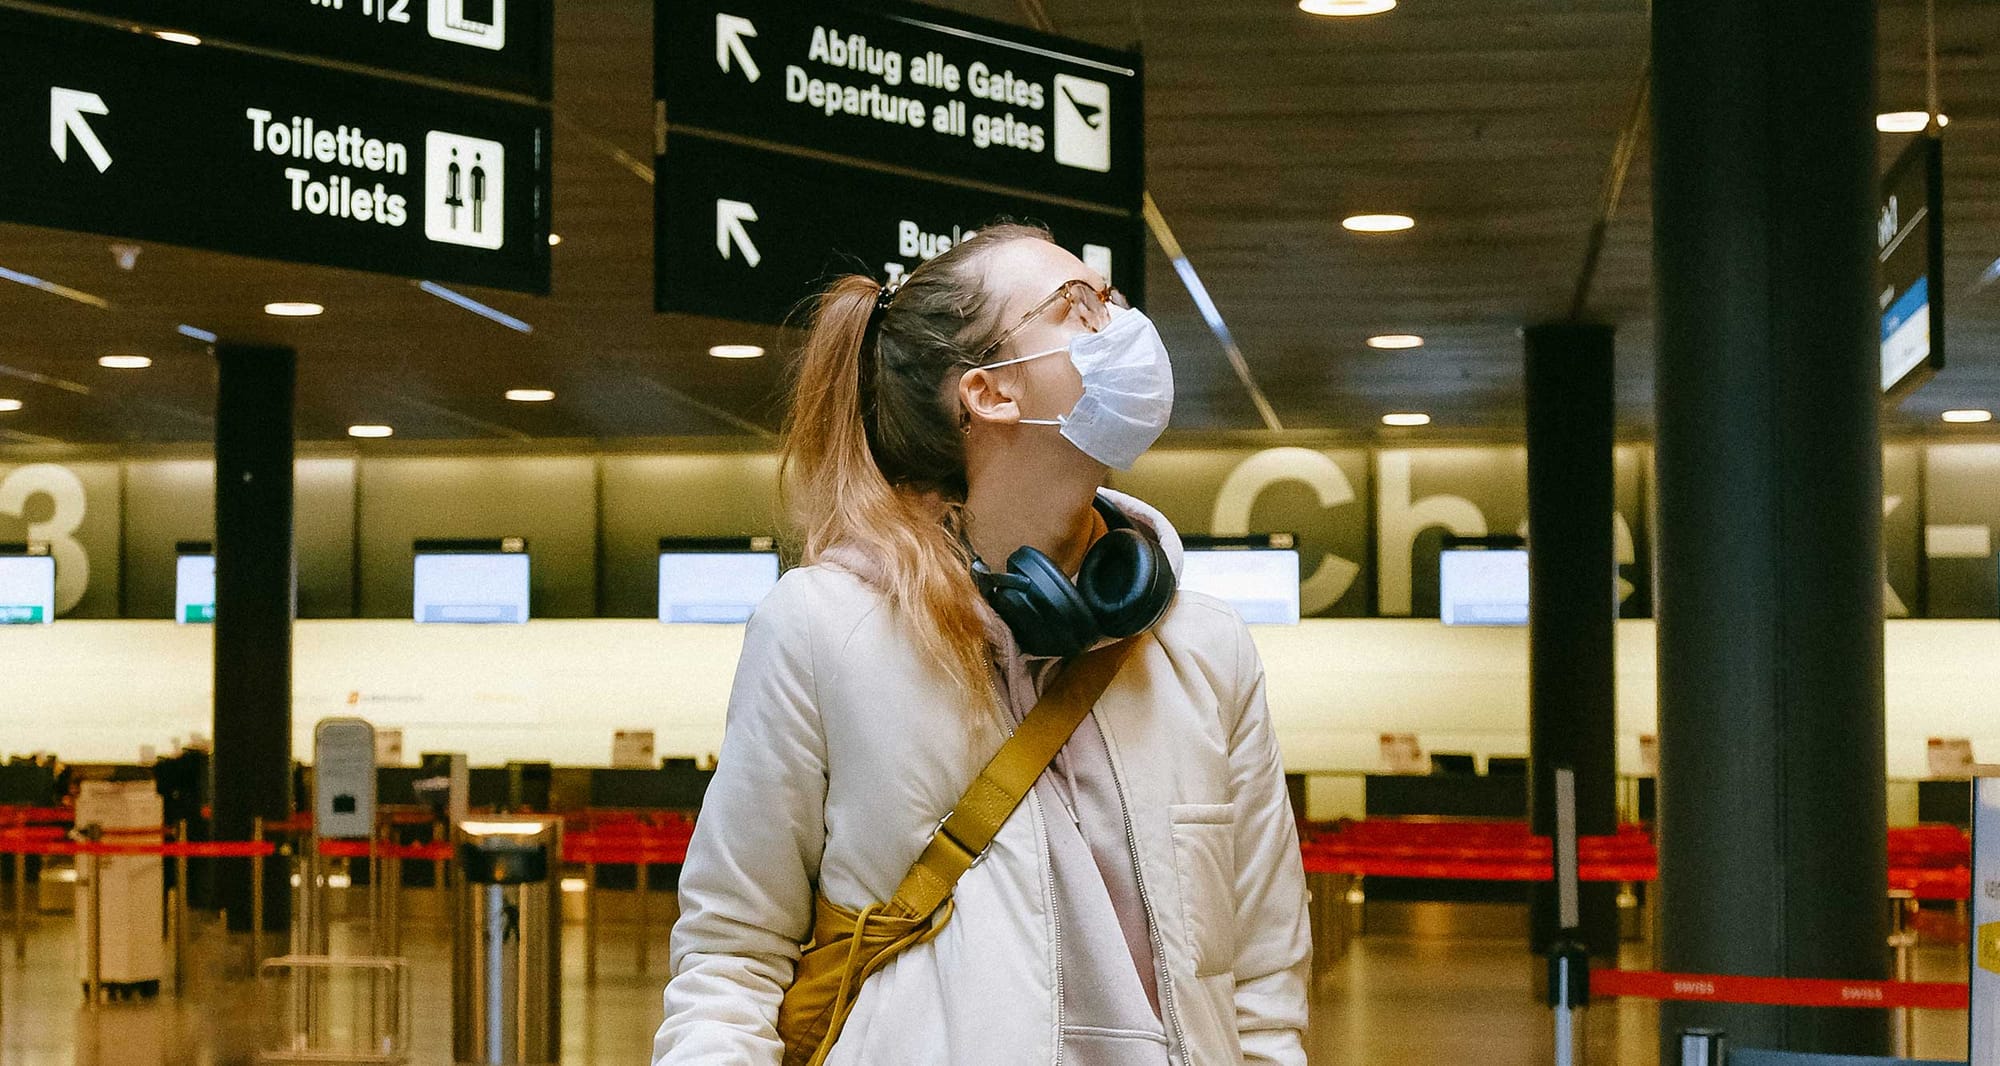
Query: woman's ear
{"x": 989, "y": 396}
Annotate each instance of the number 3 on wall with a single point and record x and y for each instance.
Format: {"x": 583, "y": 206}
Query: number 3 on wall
{"x": 66, "y": 496}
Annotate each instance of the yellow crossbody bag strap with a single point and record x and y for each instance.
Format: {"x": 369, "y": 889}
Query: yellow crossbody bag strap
{"x": 964, "y": 833}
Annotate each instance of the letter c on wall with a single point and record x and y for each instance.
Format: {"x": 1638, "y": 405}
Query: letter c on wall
{"x": 1334, "y": 575}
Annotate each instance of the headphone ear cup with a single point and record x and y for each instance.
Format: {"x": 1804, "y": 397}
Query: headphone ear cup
{"x": 1044, "y": 610}
{"x": 1127, "y": 580}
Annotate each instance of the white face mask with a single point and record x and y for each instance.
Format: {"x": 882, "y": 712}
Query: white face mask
{"x": 1128, "y": 390}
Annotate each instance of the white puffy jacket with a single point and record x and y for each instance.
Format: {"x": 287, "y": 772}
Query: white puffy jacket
{"x": 842, "y": 751}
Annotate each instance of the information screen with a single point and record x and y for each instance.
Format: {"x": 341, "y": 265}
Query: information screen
{"x": 194, "y": 589}
{"x": 714, "y": 587}
{"x": 1483, "y": 587}
{"x": 1909, "y": 242}
{"x": 472, "y": 587}
{"x": 1261, "y": 583}
{"x": 27, "y": 589}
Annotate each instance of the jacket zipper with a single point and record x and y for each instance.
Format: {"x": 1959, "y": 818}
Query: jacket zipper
{"x": 1055, "y": 917}
{"x": 1161, "y": 975}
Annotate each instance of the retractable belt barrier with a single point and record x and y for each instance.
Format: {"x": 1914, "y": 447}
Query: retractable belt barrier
{"x": 1779, "y": 991}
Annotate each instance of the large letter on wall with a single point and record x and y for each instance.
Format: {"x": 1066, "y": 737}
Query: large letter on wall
{"x": 67, "y": 500}
{"x": 1398, "y": 520}
{"x": 1334, "y": 575}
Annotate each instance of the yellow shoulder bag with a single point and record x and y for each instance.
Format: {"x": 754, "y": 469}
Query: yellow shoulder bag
{"x": 847, "y": 946}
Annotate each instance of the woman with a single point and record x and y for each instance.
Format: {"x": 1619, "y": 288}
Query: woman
{"x": 1146, "y": 904}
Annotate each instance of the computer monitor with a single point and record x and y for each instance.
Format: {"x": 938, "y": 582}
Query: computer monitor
{"x": 1257, "y": 575}
{"x": 1506, "y": 766}
{"x": 27, "y": 589}
{"x": 715, "y": 582}
{"x": 194, "y": 584}
{"x": 471, "y": 582}
{"x": 1483, "y": 586}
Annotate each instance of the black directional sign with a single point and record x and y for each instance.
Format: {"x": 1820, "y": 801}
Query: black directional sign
{"x": 493, "y": 44}
{"x": 873, "y": 117}
{"x": 122, "y": 134}
{"x": 747, "y": 234}
{"x": 908, "y": 86}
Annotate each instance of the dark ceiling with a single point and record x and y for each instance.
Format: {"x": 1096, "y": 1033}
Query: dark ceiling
{"x": 1493, "y": 122}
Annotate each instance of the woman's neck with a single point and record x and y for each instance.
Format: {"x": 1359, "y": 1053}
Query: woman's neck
{"x": 1048, "y": 511}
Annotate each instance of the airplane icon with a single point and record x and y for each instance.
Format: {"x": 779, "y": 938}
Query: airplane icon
{"x": 1092, "y": 114}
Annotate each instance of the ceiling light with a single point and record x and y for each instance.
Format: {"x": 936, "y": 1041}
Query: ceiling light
{"x": 370, "y": 432}
{"x": 1396, "y": 341}
{"x": 124, "y": 362}
{"x": 555, "y": 239}
{"x": 195, "y": 333}
{"x": 1378, "y": 223}
{"x": 459, "y": 299}
{"x": 1345, "y": 8}
{"x": 1968, "y": 418}
{"x": 1406, "y": 419}
{"x": 736, "y": 351}
{"x": 530, "y": 395}
{"x": 293, "y": 309}
{"x": 54, "y": 289}
{"x": 1907, "y": 121}
{"x": 10, "y": 405}
{"x": 177, "y": 37}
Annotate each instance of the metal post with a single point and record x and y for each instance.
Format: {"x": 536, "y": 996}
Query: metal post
{"x": 645, "y": 919}
{"x": 21, "y": 902}
{"x": 1704, "y": 1047}
{"x": 590, "y": 923}
{"x": 256, "y": 896}
{"x": 1901, "y": 940}
{"x": 180, "y": 909}
{"x": 392, "y": 902}
{"x": 437, "y": 880}
{"x": 375, "y": 892}
{"x": 94, "y": 967}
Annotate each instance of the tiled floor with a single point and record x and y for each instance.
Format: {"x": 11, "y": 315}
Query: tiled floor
{"x": 1390, "y": 1000}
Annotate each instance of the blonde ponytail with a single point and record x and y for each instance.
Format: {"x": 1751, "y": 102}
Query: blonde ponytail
{"x": 873, "y": 459}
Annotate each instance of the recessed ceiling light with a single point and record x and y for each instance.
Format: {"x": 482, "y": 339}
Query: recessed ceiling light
{"x": 10, "y": 405}
{"x": 294, "y": 309}
{"x": 530, "y": 395}
{"x": 736, "y": 351}
{"x": 1410, "y": 418}
{"x": 370, "y": 432}
{"x": 555, "y": 239}
{"x": 177, "y": 37}
{"x": 1396, "y": 341}
{"x": 1967, "y": 418}
{"x": 1378, "y": 223}
{"x": 124, "y": 362}
{"x": 1345, "y": 8}
{"x": 1907, "y": 121}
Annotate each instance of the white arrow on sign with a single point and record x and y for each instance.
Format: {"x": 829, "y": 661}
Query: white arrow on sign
{"x": 729, "y": 33}
{"x": 66, "y": 110}
{"x": 730, "y": 215}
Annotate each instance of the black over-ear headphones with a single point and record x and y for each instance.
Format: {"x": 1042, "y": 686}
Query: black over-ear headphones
{"x": 1124, "y": 586}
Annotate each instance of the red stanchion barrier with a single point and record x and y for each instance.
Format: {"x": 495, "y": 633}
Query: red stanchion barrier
{"x": 198, "y": 850}
{"x": 1779, "y": 991}
{"x": 358, "y": 849}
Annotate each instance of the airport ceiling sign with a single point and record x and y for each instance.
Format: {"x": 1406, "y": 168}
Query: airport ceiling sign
{"x": 747, "y": 233}
{"x": 126, "y": 135}
{"x": 503, "y": 45}
{"x": 870, "y": 120}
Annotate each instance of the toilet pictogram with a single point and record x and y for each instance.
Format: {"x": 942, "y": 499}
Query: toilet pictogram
{"x": 463, "y": 185}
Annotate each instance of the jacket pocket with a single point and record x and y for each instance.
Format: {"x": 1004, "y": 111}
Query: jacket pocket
{"x": 1205, "y": 858}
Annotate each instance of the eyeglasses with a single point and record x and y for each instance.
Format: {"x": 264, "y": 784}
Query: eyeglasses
{"x": 1092, "y": 304}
